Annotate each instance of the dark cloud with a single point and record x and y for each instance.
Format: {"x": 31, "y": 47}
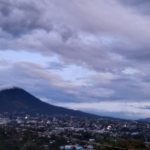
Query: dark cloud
{"x": 110, "y": 38}
{"x": 78, "y": 36}
{"x": 141, "y": 6}
{"x": 136, "y": 2}
{"x": 66, "y": 33}
{"x": 56, "y": 66}
{"x": 5, "y": 8}
{"x": 145, "y": 107}
{"x": 19, "y": 18}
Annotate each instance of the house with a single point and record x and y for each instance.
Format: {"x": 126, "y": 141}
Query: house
{"x": 92, "y": 140}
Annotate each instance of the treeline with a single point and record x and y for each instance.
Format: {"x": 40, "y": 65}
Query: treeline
{"x": 109, "y": 143}
{"x": 28, "y": 140}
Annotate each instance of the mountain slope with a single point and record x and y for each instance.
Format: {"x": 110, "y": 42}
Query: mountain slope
{"x": 16, "y": 99}
{"x": 144, "y": 120}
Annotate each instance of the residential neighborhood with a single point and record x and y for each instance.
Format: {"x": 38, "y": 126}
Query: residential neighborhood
{"x": 81, "y": 133}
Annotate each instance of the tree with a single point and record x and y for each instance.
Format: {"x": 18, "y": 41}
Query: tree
{"x": 99, "y": 147}
{"x": 30, "y": 146}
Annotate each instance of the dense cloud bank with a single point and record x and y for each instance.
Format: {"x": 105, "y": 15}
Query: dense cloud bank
{"x": 108, "y": 38}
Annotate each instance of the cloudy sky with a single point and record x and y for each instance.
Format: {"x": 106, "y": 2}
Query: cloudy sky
{"x": 91, "y": 55}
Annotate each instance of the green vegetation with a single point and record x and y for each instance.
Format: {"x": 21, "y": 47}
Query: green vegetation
{"x": 111, "y": 143}
{"x": 11, "y": 140}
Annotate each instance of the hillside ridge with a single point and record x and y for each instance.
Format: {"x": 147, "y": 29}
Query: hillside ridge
{"x": 18, "y": 100}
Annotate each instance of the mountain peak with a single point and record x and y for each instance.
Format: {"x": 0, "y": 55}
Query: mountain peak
{"x": 8, "y": 87}
{"x": 14, "y": 99}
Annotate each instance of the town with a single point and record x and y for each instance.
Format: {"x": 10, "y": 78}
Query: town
{"x": 67, "y": 132}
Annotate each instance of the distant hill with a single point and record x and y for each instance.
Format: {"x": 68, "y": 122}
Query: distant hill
{"x": 18, "y": 100}
{"x": 144, "y": 120}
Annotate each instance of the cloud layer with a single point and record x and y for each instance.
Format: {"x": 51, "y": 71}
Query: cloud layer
{"x": 102, "y": 49}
